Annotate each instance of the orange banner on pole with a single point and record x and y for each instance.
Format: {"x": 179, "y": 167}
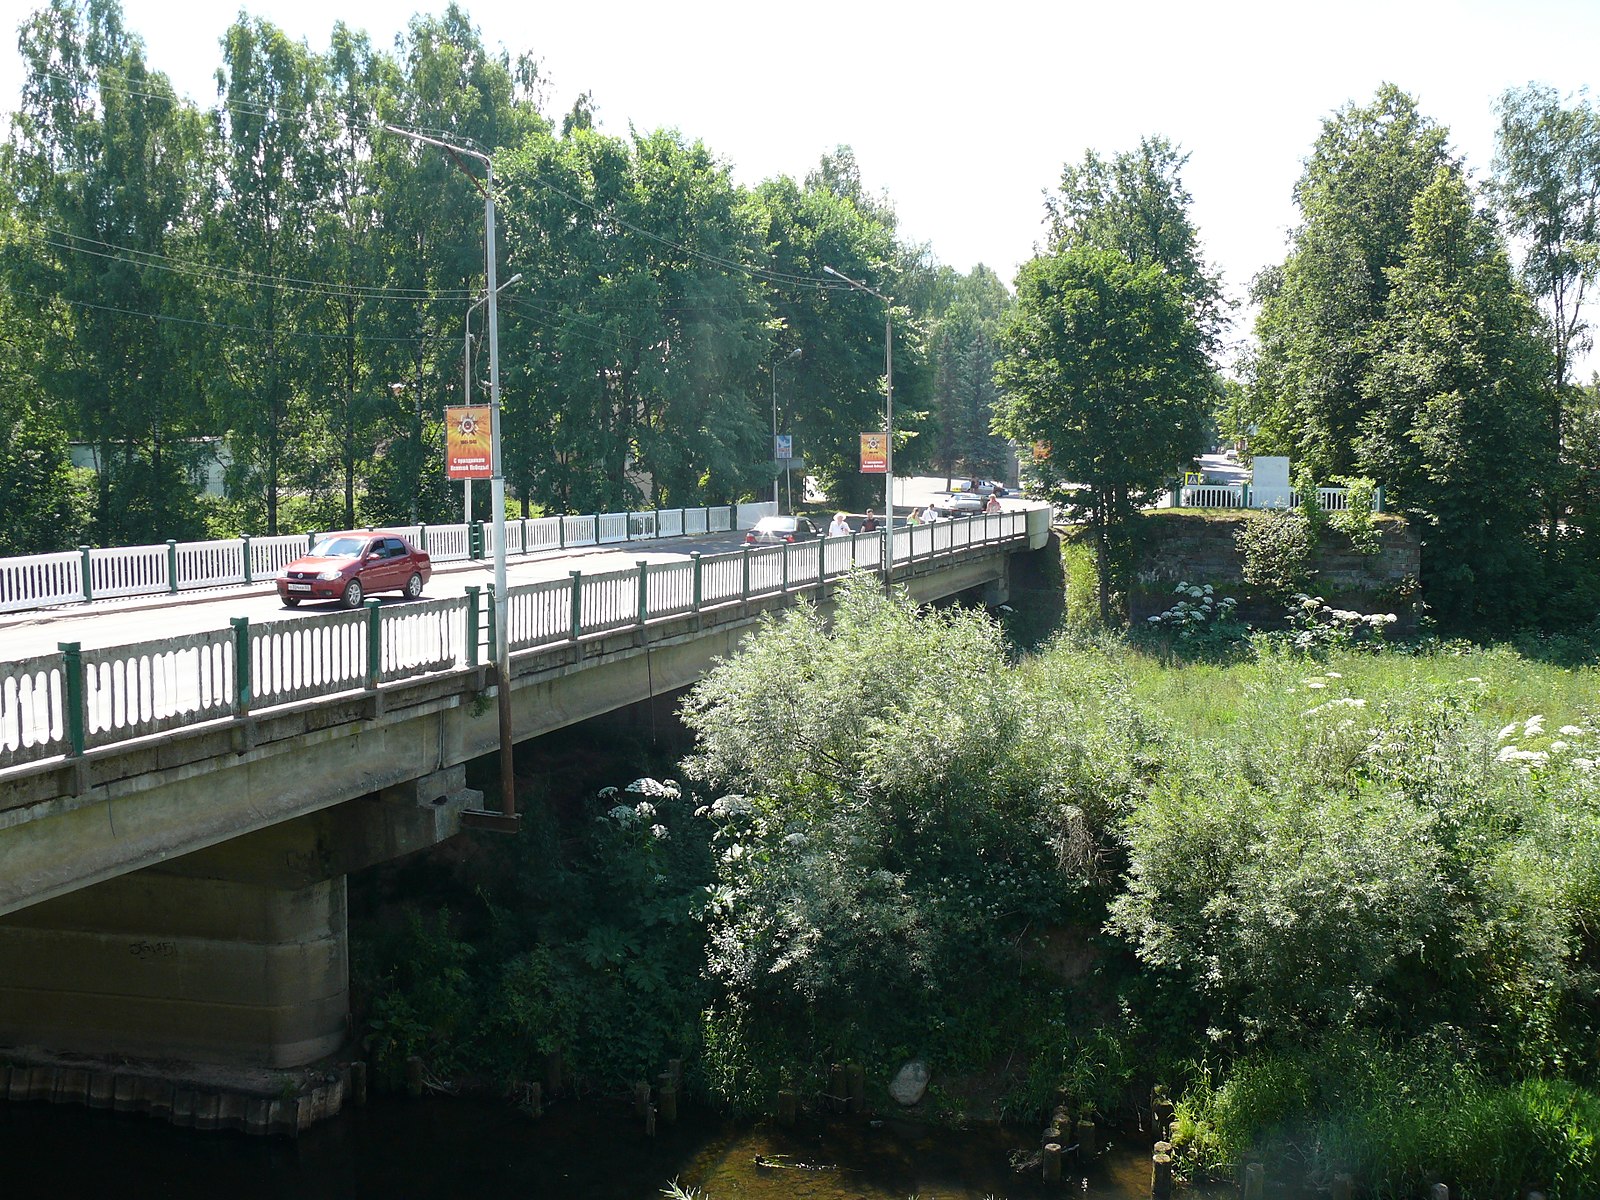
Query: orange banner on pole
{"x": 874, "y": 454}
{"x": 468, "y": 452}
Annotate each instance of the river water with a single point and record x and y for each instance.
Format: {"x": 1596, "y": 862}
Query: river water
{"x": 595, "y": 1150}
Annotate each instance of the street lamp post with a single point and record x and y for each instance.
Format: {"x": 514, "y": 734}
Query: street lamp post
{"x": 888, "y": 392}
{"x": 773, "y": 368}
{"x": 505, "y": 820}
{"x": 466, "y": 381}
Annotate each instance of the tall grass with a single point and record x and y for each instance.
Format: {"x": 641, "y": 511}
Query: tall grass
{"x": 1394, "y": 1117}
{"x": 1376, "y": 877}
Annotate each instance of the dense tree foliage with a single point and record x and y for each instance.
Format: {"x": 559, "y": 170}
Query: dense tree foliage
{"x": 1136, "y": 204}
{"x": 964, "y": 344}
{"x": 104, "y": 160}
{"x": 1394, "y": 343}
{"x": 1104, "y": 365}
{"x": 1355, "y": 199}
{"x": 1547, "y": 178}
{"x": 279, "y": 279}
{"x": 1457, "y": 384}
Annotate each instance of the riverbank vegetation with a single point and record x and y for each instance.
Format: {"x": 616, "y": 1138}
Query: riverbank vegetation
{"x": 1342, "y": 898}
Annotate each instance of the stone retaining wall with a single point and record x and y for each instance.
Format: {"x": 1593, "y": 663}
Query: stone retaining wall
{"x": 1185, "y": 546}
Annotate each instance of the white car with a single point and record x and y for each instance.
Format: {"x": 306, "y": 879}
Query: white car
{"x": 959, "y": 504}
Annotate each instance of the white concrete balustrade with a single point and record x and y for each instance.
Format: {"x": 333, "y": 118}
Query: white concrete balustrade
{"x": 66, "y": 703}
{"x": 88, "y": 573}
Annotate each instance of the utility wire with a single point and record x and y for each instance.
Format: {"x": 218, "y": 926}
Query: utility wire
{"x": 233, "y": 328}
{"x": 205, "y": 270}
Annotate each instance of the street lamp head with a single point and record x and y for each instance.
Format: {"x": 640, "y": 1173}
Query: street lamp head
{"x": 795, "y": 353}
{"x": 829, "y": 270}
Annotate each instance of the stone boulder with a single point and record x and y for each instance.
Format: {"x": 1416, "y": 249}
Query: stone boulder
{"x": 910, "y": 1083}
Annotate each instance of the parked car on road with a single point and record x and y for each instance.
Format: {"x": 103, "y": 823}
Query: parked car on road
{"x": 981, "y": 487}
{"x": 769, "y": 531}
{"x": 959, "y": 504}
{"x": 348, "y": 567}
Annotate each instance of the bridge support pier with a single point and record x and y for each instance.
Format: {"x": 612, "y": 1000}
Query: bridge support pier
{"x": 234, "y": 955}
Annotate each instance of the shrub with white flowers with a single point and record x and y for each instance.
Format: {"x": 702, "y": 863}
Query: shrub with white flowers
{"x": 1526, "y": 744}
{"x": 1198, "y": 618}
{"x": 1317, "y": 625}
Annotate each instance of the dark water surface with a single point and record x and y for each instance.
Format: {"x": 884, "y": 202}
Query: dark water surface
{"x": 593, "y": 1151}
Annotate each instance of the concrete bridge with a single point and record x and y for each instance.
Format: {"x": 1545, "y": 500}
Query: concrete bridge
{"x": 178, "y": 816}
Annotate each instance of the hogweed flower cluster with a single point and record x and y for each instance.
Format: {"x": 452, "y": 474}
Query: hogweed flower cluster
{"x": 1199, "y": 609}
{"x": 1317, "y": 624}
{"x": 1514, "y": 742}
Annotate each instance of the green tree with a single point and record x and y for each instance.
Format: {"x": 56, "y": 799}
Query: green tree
{"x": 699, "y": 425}
{"x": 41, "y": 508}
{"x": 1547, "y": 179}
{"x": 432, "y": 248}
{"x": 1456, "y": 387}
{"x": 350, "y": 248}
{"x": 1136, "y": 204}
{"x": 105, "y": 160}
{"x": 1355, "y": 199}
{"x": 838, "y": 380}
{"x": 274, "y": 174}
{"x": 1104, "y": 364}
{"x": 965, "y": 342}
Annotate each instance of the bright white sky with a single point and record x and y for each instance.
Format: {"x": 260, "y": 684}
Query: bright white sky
{"x": 965, "y": 112}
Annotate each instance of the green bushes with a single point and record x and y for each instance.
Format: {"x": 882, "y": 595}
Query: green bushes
{"x": 1394, "y": 1116}
{"x": 1276, "y": 549}
{"x": 1083, "y": 585}
{"x": 1363, "y": 886}
{"x": 887, "y": 826}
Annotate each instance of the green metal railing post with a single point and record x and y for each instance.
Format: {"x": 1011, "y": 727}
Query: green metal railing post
{"x": 242, "y": 689}
{"x": 744, "y": 594}
{"x": 249, "y": 567}
{"x": 374, "y": 644}
{"x": 473, "y": 592}
{"x": 88, "y": 573}
{"x": 422, "y": 537}
{"x": 73, "y": 697}
{"x": 644, "y": 590}
{"x": 597, "y": 529}
{"x": 172, "y": 567}
{"x": 311, "y": 542}
{"x": 1377, "y": 499}
{"x": 494, "y": 618}
{"x": 1244, "y": 495}
{"x": 783, "y": 573}
{"x": 822, "y": 563}
{"x": 577, "y": 603}
{"x": 694, "y": 556}
{"x": 561, "y": 530}
{"x": 475, "y": 541}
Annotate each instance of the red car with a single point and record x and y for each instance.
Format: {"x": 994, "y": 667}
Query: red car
{"x": 347, "y": 567}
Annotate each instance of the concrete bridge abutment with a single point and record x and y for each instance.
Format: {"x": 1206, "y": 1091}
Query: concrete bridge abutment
{"x": 235, "y": 955}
